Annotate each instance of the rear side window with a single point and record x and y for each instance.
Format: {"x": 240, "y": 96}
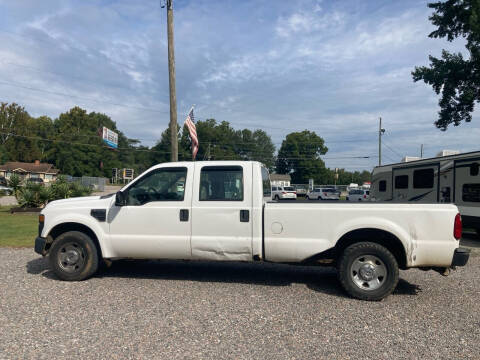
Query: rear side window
{"x": 382, "y": 186}
{"x": 267, "y": 189}
{"x": 401, "y": 182}
{"x": 221, "y": 183}
{"x": 471, "y": 193}
{"x": 423, "y": 179}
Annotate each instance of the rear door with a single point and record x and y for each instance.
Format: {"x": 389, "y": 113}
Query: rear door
{"x": 221, "y": 212}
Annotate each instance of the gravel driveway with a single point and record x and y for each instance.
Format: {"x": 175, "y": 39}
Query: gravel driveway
{"x": 175, "y": 309}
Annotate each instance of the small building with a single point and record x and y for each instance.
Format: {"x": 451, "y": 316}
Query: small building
{"x": 280, "y": 179}
{"x": 44, "y": 171}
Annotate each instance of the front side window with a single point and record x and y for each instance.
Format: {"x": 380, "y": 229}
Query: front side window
{"x": 401, "y": 182}
{"x": 165, "y": 184}
{"x": 221, "y": 183}
{"x": 266, "y": 183}
{"x": 471, "y": 193}
{"x": 423, "y": 179}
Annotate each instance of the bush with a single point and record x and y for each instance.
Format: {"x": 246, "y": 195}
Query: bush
{"x": 37, "y": 195}
{"x": 15, "y": 182}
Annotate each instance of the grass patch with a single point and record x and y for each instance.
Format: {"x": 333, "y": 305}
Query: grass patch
{"x": 17, "y": 230}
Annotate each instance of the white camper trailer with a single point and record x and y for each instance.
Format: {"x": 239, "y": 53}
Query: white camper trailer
{"x": 444, "y": 179}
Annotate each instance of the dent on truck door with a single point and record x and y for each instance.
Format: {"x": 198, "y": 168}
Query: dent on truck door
{"x": 155, "y": 222}
{"x": 221, "y": 213}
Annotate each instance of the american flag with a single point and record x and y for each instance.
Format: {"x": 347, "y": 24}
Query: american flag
{"x": 189, "y": 121}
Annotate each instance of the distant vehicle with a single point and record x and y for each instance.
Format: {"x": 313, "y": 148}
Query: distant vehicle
{"x": 358, "y": 195}
{"x": 301, "y": 190}
{"x": 35, "y": 180}
{"x": 5, "y": 189}
{"x": 284, "y": 193}
{"x": 323, "y": 194}
{"x": 451, "y": 179}
{"x": 3, "y": 181}
{"x": 352, "y": 186}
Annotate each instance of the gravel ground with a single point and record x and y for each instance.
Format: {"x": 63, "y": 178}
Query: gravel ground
{"x": 176, "y": 309}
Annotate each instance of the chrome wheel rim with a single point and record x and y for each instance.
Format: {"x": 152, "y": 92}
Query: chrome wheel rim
{"x": 368, "y": 272}
{"x": 71, "y": 257}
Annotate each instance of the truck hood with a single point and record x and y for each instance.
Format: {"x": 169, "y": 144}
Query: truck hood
{"x": 80, "y": 202}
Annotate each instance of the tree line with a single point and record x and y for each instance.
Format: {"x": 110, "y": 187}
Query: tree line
{"x": 72, "y": 143}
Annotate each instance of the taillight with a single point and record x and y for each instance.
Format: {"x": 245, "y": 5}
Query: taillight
{"x": 364, "y": 196}
{"x": 324, "y": 194}
{"x": 457, "y": 227}
{"x": 284, "y": 193}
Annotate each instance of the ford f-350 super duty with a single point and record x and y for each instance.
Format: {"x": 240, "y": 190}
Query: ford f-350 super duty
{"x": 222, "y": 210}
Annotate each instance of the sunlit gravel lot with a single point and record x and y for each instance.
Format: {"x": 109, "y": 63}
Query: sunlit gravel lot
{"x": 176, "y": 309}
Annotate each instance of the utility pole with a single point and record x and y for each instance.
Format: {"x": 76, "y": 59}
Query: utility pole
{"x": 171, "y": 77}
{"x": 381, "y": 131}
{"x": 421, "y": 151}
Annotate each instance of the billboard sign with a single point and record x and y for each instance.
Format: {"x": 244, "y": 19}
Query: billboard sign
{"x": 110, "y": 137}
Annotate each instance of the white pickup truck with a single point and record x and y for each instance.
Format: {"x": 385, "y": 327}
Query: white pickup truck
{"x": 222, "y": 210}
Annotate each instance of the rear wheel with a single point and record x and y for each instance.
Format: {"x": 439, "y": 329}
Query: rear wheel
{"x": 73, "y": 256}
{"x": 368, "y": 271}
{"x": 276, "y": 197}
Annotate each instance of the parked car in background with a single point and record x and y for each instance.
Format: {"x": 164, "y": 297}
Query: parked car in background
{"x": 301, "y": 190}
{"x": 284, "y": 193}
{"x": 3, "y": 181}
{"x": 323, "y": 194}
{"x": 358, "y": 195}
{"x": 6, "y": 190}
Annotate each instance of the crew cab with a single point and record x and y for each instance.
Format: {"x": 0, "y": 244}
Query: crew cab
{"x": 221, "y": 210}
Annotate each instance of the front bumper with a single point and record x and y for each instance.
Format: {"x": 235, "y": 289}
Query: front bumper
{"x": 40, "y": 244}
{"x": 460, "y": 257}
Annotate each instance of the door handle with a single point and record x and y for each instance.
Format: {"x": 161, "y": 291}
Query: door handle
{"x": 244, "y": 216}
{"x": 183, "y": 214}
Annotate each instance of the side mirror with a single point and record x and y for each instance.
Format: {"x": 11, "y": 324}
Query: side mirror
{"x": 120, "y": 199}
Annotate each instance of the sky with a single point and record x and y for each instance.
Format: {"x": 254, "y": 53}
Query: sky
{"x": 333, "y": 67}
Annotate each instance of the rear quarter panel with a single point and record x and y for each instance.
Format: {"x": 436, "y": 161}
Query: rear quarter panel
{"x": 295, "y": 232}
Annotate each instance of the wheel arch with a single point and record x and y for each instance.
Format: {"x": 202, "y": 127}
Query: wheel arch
{"x": 64, "y": 227}
{"x": 379, "y": 236}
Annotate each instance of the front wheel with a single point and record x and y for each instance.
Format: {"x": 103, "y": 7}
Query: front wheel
{"x": 73, "y": 256}
{"x": 368, "y": 271}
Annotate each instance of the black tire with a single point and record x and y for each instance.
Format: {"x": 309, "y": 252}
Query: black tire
{"x": 73, "y": 256}
{"x": 375, "y": 257}
{"x": 276, "y": 197}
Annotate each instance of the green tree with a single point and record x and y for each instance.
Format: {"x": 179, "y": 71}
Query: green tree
{"x": 456, "y": 77}
{"x": 299, "y": 156}
{"x": 17, "y": 138}
{"x": 218, "y": 141}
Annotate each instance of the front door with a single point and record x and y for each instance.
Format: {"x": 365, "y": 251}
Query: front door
{"x": 222, "y": 212}
{"x": 155, "y": 222}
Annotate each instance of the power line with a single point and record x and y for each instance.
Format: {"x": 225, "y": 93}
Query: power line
{"x": 388, "y": 147}
{"x": 163, "y": 152}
